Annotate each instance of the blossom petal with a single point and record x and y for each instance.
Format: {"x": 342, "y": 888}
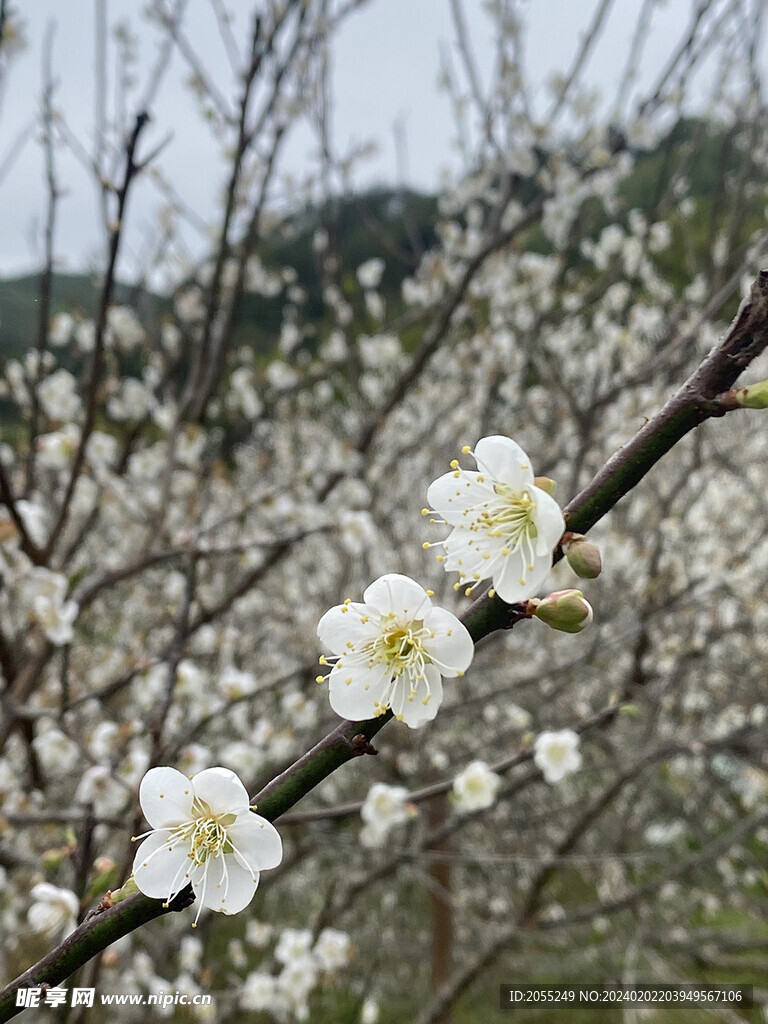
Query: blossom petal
{"x": 399, "y": 594}
{"x": 356, "y": 700}
{"x": 505, "y": 460}
{"x": 166, "y": 797}
{"x": 415, "y": 712}
{"x": 465, "y": 550}
{"x": 242, "y": 885}
{"x": 159, "y": 870}
{"x": 451, "y": 495}
{"x": 549, "y": 521}
{"x": 257, "y": 840}
{"x": 344, "y": 623}
{"x": 451, "y": 648}
{"x": 223, "y": 885}
{"x": 221, "y": 790}
{"x": 508, "y": 585}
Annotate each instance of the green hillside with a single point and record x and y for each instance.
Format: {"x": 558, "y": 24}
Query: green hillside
{"x": 400, "y": 225}
{"x": 396, "y": 225}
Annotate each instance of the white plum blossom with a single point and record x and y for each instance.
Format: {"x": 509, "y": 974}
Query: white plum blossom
{"x": 243, "y": 395}
{"x": 258, "y": 933}
{"x": 55, "y": 450}
{"x": 42, "y": 582}
{"x": 290, "y": 338}
{"x": 102, "y": 449}
{"x": 334, "y": 349}
{"x": 557, "y": 754}
{"x": 98, "y": 788}
{"x": 57, "y": 619}
{"x": 296, "y": 981}
{"x": 659, "y": 237}
{"x": 191, "y": 951}
{"x": 54, "y": 910}
{"x": 475, "y": 788}
{"x": 34, "y": 518}
{"x": 369, "y": 273}
{"x": 369, "y": 1011}
{"x": 281, "y": 376}
{"x": 58, "y": 396}
{"x": 204, "y": 834}
{"x": 259, "y": 992}
{"x": 384, "y": 807}
{"x": 391, "y": 651}
{"x": 300, "y": 712}
{"x": 103, "y": 739}
{"x": 504, "y": 526}
{"x": 57, "y": 752}
{"x": 660, "y": 833}
{"x": 374, "y": 305}
{"x": 133, "y": 402}
{"x": 60, "y": 329}
{"x": 332, "y": 949}
{"x": 379, "y": 351}
{"x": 85, "y": 335}
{"x": 188, "y": 305}
{"x": 46, "y": 592}
{"x": 234, "y": 684}
{"x": 320, "y": 240}
{"x": 124, "y": 328}
{"x": 517, "y": 717}
{"x": 293, "y": 944}
{"x": 357, "y": 531}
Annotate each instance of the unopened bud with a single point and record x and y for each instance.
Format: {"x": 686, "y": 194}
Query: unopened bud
{"x": 566, "y": 610}
{"x": 545, "y": 483}
{"x": 106, "y": 874}
{"x": 53, "y": 859}
{"x": 630, "y": 710}
{"x": 128, "y": 888}
{"x": 754, "y": 396}
{"x": 583, "y": 557}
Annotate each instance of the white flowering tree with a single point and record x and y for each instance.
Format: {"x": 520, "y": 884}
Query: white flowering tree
{"x": 195, "y": 507}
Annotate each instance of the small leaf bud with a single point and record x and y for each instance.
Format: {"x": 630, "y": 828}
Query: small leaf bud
{"x": 566, "y": 610}
{"x": 127, "y": 889}
{"x": 545, "y": 483}
{"x": 630, "y": 710}
{"x": 754, "y": 396}
{"x": 583, "y": 557}
{"x": 53, "y": 859}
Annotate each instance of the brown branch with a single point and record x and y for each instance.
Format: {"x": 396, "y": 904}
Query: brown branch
{"x": 46, "y": 278}
{"x": 97, "y": 361}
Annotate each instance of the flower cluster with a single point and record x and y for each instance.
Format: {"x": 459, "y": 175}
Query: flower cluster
{"x": 303, "y": 966}
{"x": 392, "y": 651}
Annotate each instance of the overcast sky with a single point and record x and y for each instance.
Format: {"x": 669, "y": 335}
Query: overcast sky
{"x": 386, "y": 64}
